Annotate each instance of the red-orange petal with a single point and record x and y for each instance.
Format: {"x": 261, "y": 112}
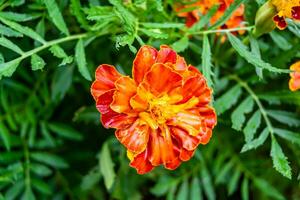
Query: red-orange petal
{"x": 110, "y": 118}
{"x": 141, "y": 163}
{"x": 294, "y": 83}
{"x": 166, "y": 55}
{"x": 280, "y": 22}
{"x": 142, "y": 63}
{"x": 162, "y": 79}
{"x": 125, "y": 89}
{"x": 135, "y": 137}
{"x": 106, "y": 75}
{"x": 185, "y": 155}
{"x": 187, "y": 141}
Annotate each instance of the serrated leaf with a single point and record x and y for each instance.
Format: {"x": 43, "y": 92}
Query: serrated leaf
{"x": 181, "y": 44}
{"x": 256, "y": 51}
{"x": 238, "y": 45}
{"x": 252, "y": 125}
{"x": 23, "y": 29}
{"x": 280, "y": 162}
{"x": 267, "y": 189}
{"x": 6, "y": 31}
{"x": 56, "y": 16}
{"x": 238, "y": 116}
{"x": 285, "y": 117}
{"x": 107, "y": 167}
{"x": 5, "y": 136}
{"x": 227, "y": 14}
{"x": 183, "y": 191}
{"x": 59, "y": 52}
{"x": 245, "y": 189}
{"x": 280, "y": 41}
{"x": 18, "y": 17}
{"x": 206, "y": 61}
{"x": 256, "y": 142}
{"x": 196, "y": 193}
{"x": 10, "y": 45}
{"x": 81, "y": 60}
{"x": 288, "y": 135}
{"x": 227, "y": 100}
{"x": 65, "y": 131}
{"x": 37, "y": 63}
{"x": 8, "y": 68}
{"x": 76, "y": 9}
{"x": 49, "y": 159}
{"x": 91, "y": 179}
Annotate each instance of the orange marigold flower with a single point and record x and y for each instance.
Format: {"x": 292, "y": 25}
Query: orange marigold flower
{"x": 294, "y": 83}
{"x": 202, "y": 7}
{"x": 286, "y": 9}
{"x": 161, "y": 114}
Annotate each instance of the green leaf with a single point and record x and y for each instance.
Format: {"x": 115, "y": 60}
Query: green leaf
{"x": 207, "y": 181}
{"x": 221, "y": 176}
{"x": 162, "y": 25}
{"x": 268, "y": 189}
{"x": 76, "y": 9}
{"x": 183, "y": 192}
{"x": 6, "y": 31}
{"x": 163, "y": 185}
{"x": 10, "y": 45}
{"x": 61, "y": 82}
{"x": 107, "y": 167}
{"x": 5, "y": 136}
{"x": 40, "y": 27}
{"x": 227, "y": 14}
{"x": 252, "y": 126}
{"x": 181, "y": 44}
{"x": 40, "y": 170}
{"x": 245, "y": 189}
{"x": 41, "y": 186}
{"x": 234, "y": 180}
{"x": 58, "y": 52}
{"x": 256, "y": 142}
{"x": 91, "y": 179}
{"x": 18, "y": 17}
{"x": 28, "y": 194}
{"x": 206, "y": 61}
{"x": 250, "y": 57}
{"x": 154, "y": 33}
{"x": 285, "y": 117}
{"x": 49, "y": 159}
{"x": 227, "y": 100}
{"x": 238, "y": 116}
{"x": 288, "y": 135}
{"x": 56, "y": 16}
{"x": 280, "y": 41}
{"x": 81, "y": 60}
{"x": 280, "y": 162}
{"x": 23, "y": 29}
{"x": 196, "y": 193}
{"x": 14, "y": 191}
{"x": 256, "y": 51}
{"x": 204, "y": 20}
{"x": 37, "y": 63}
{"x": 65, "y": 131}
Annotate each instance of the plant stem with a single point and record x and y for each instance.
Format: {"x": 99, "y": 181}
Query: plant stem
{"x": 248, "y": 28}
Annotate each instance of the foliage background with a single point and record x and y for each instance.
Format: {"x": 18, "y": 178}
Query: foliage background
{"x": 53, "y": 146}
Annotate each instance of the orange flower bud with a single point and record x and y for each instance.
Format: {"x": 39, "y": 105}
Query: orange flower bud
{"x": 294, "y": 83}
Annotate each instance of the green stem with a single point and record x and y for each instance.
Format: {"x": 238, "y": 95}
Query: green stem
{"x": 27, "y": 165}
{"x": 248, "y": 28}
{"x": 256, "y": 99}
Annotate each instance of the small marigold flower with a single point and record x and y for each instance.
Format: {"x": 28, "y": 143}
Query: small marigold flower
{"x": 201, "y": 7}
{"x": 161, "y": 114}
{"x": 294, "y": 83}
{"x": 286, "y": 9}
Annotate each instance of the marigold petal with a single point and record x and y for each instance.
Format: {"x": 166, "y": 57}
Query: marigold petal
{"x": 110, "y": 118}
{"x": 280, "y": 22}
{"x": 166, "y": 55}
{"x": 294, "y": 83}
{"x": 185, "y": 155}
{"x": 143, "y": 61}
{"x": 125, "y": 89}
{"x": 141, "y": 163}
{"x": 105, "y": 75}
{"x": 162, "y": 79}
{"x": 187, "y": 141}
{"x": 135, "y": 137}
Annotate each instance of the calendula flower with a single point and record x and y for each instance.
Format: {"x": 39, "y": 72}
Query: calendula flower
{"x": 294, "y": 83}
{"x": 161, "y": 114}
{"x": 286, "y": 9}
{"x": 201, "y": 8}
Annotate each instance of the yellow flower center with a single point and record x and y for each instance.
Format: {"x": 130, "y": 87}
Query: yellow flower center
{"x": 163, "y": 108}
{"x": 284, "y": 7}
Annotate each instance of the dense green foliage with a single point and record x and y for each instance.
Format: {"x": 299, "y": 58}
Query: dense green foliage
{"x": 54, "y": 147}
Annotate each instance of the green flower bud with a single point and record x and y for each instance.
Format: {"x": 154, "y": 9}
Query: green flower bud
{"x": 264, "y": 19}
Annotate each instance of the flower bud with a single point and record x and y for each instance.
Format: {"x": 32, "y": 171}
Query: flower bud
{"x": 264, "y": 19}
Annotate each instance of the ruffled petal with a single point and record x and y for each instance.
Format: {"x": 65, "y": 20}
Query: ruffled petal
{"x": 141, "y": 163}
{"x": 280, "y": 22}
{"x": 166, "y": 55}
{"x": 162, "y": 79}
{"x": 110, "y": 118}
{"x": 296, "y": 12}
{"x": 143, "y": 61}
{"x": 125, "y": 89}
{"x": 135, "y": 137}
{"x": 187, "y": 141}
{"x": 139, "y": 101}
{"x": 106, "y": 75}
